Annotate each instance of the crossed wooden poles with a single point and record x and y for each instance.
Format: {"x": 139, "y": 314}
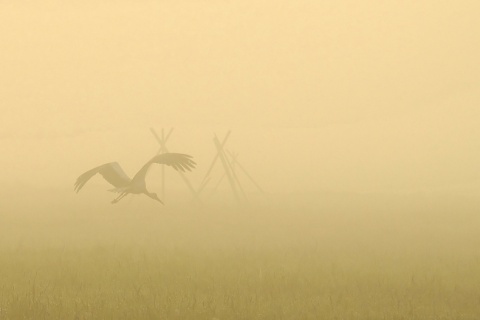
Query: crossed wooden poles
{"x": 228, "y": 160}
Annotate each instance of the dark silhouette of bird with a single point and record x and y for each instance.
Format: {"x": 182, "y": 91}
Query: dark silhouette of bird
{"x": 114, "y": 174}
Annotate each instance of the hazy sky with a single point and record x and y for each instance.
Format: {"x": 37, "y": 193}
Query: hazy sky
{"x": 344, "y": 95}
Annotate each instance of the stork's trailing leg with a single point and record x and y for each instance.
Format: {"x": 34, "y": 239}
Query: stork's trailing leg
{"x": 123, "y": 194}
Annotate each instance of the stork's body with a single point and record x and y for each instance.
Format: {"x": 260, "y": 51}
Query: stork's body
{"x": 114, "y": 174}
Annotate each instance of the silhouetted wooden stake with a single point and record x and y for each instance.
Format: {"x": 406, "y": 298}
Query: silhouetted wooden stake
{"x": 247, "y": 174}
{"x": 202, "y": 186}
{"x": 218, "y": 183}
{"x": 161, "y": 142}
{"x": 217, "y": 155}
{"x": 231, "y": 164}
{"x": 206, "y": 179}
{"x": 163, "y": 168}
{"x": 216, "y": 186}
{"x": 164, "y": 149}
{"x": 227, "y": 169}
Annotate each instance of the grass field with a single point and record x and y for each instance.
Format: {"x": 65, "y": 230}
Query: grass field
{"x": 324, "y": 257}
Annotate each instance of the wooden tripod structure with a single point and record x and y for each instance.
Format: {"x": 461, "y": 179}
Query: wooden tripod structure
{"x": 229, "y": 162}
{"x": 162, "y": 141}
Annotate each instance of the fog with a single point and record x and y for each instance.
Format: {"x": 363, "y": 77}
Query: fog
{"x": 359, "y": 120}
{"x": 340, "y": 96}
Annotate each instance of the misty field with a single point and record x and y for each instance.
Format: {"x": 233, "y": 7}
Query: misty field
{"x": 324, "y": 257}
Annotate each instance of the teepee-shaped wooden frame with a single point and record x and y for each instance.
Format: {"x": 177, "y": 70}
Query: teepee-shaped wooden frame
{"x": 162, "y": 141}
{"x": 230, "y": 164}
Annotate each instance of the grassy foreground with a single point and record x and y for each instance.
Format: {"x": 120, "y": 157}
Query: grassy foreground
{"x": 306, "y": 261}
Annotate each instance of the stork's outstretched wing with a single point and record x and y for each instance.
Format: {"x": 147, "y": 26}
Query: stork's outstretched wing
{"x": 112, "y": 172}
{"x": 178, "y": 161}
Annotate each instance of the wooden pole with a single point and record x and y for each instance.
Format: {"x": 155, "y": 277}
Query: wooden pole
{"x": 160, "y": 141}
{"x": 222, "y": 157}
{"x": 216, "y": 186}
{"x": 163, "y": 168}
{"x": 248, "y": 175}
{"x": 216, "y": 156}
{"x": 231, "y": 164}
{"x": 182, "y": 175}
{"x": 206, "y": 179}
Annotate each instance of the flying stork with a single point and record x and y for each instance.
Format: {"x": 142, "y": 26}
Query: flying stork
{"x": 114, "y": 174}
